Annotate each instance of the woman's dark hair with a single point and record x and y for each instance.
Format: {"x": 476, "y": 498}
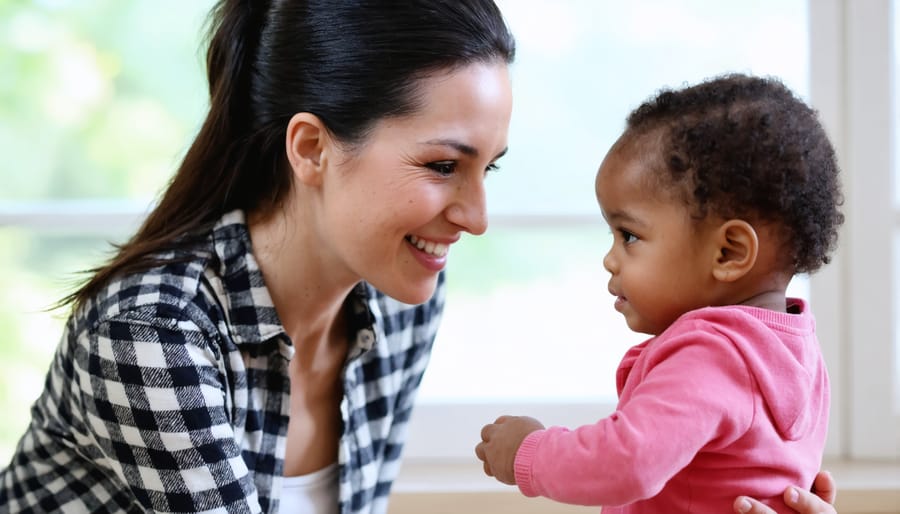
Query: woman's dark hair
{"x": 349, "y": 62}
{"x": 747, "y": 147}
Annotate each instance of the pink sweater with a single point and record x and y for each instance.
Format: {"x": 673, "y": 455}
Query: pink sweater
{"x": 727, "y": 401}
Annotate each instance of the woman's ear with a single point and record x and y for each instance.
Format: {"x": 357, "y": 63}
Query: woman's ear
{"x": 738, "y": 248}
{"x": 305, "y": 142}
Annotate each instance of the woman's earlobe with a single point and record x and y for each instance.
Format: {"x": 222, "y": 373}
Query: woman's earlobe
{"x": 738, "y": 248}
{"x": 305, "y": 141}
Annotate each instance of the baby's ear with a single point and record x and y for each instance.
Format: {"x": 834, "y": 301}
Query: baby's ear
{"x": 738, "y": 247}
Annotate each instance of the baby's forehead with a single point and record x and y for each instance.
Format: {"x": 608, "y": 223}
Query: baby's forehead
{"x": 645, "y": 170}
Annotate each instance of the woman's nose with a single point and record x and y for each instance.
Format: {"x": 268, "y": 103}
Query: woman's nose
{"x": 469, "y": 208}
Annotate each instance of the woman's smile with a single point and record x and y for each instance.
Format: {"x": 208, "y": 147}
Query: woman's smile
{"x": 429, "y": 247}
{"x": 432, "y": 255}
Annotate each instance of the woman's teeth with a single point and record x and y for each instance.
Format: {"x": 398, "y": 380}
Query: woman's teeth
{"x": 436, "y": 249}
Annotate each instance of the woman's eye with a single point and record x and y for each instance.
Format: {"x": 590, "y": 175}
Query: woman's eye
{"x": 491, "y": 168}
{"x": 442, "y": 167}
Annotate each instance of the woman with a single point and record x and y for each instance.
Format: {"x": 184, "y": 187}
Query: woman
{"x": 253, "y": 328}
{"x": 258, "y": 343}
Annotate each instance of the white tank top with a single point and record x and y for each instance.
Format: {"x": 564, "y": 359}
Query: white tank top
{"x": 315, "y": 493}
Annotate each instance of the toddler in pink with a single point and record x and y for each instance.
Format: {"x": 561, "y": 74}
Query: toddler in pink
{"x": 717, "y": 195}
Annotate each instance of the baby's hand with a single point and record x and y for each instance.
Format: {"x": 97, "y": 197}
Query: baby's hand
{"x": 499, "y": 443}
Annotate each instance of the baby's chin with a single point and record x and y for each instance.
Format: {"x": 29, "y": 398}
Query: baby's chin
{"x": 641, "y": 326}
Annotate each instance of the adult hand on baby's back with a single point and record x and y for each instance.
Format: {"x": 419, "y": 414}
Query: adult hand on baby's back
{"x": 818, "y": 501}
{"x": 500, "y": 441}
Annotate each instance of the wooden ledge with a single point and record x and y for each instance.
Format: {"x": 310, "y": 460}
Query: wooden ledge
{"x": 864, "y": 487}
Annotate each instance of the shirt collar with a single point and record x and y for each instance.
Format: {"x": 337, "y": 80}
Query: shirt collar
{"x": 251, "y": 310}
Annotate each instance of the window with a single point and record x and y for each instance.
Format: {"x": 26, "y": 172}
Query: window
{"x": 895, "y": 130}
{"x": 98, "y": 105}
{"x": 861, "y": 90}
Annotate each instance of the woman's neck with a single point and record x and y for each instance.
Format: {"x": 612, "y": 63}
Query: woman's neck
{"x": 307, "y": 290}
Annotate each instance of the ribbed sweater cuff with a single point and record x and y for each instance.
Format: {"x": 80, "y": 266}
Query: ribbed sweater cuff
{"x": 524, "y": 461}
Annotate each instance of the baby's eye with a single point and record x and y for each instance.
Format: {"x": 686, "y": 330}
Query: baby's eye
{"x": 442, "y": 167}
{"x": 628, "y": 237}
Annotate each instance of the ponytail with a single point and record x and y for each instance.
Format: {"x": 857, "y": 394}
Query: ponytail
{"x": 203, "y": 187}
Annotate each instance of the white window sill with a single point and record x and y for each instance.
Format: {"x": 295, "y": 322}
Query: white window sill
{"x": 461, "y": 487}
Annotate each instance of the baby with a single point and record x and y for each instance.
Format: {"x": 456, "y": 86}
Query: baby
{"x": 717, "y": 195}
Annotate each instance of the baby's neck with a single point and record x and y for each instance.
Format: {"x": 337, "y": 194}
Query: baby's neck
{"x": 774, "y": 300}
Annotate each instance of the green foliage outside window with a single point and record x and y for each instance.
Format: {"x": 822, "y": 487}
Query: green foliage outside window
{"x": 98, "y": 99}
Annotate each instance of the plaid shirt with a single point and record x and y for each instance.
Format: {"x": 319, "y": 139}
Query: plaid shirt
{"x": 169, "y": 392}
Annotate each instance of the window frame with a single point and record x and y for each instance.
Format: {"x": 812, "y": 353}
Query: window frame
{"x": 853, "y": 87}
{"x": 852, "y": 80}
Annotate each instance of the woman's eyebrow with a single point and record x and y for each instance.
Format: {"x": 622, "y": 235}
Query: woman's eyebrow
{"x": 461, "y": 147}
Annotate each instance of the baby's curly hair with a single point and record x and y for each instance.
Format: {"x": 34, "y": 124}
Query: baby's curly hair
{"x": 748, "y": 148}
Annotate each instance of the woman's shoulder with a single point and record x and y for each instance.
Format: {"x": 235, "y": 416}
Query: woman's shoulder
{"x": 170, "y": 289}
{"x": 174, "y": 281}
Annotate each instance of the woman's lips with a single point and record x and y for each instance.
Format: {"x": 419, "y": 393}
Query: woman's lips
{"x": 430, "y": 254}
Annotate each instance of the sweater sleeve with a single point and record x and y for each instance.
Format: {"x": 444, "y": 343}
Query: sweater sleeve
{"x": 693, "y": 391}
{"x": 156, "y": 413}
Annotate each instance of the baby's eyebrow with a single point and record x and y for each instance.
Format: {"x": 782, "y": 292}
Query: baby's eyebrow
{"x": 620, "y": 217}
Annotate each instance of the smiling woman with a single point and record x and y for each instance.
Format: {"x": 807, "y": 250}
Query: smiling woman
{"x": 249, "y": 345}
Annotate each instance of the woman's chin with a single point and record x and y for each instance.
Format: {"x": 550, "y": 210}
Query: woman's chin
{"x": 412, "y": 294}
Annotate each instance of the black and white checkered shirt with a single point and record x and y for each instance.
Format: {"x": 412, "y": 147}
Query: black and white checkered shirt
{"x": 169, "y": 392}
